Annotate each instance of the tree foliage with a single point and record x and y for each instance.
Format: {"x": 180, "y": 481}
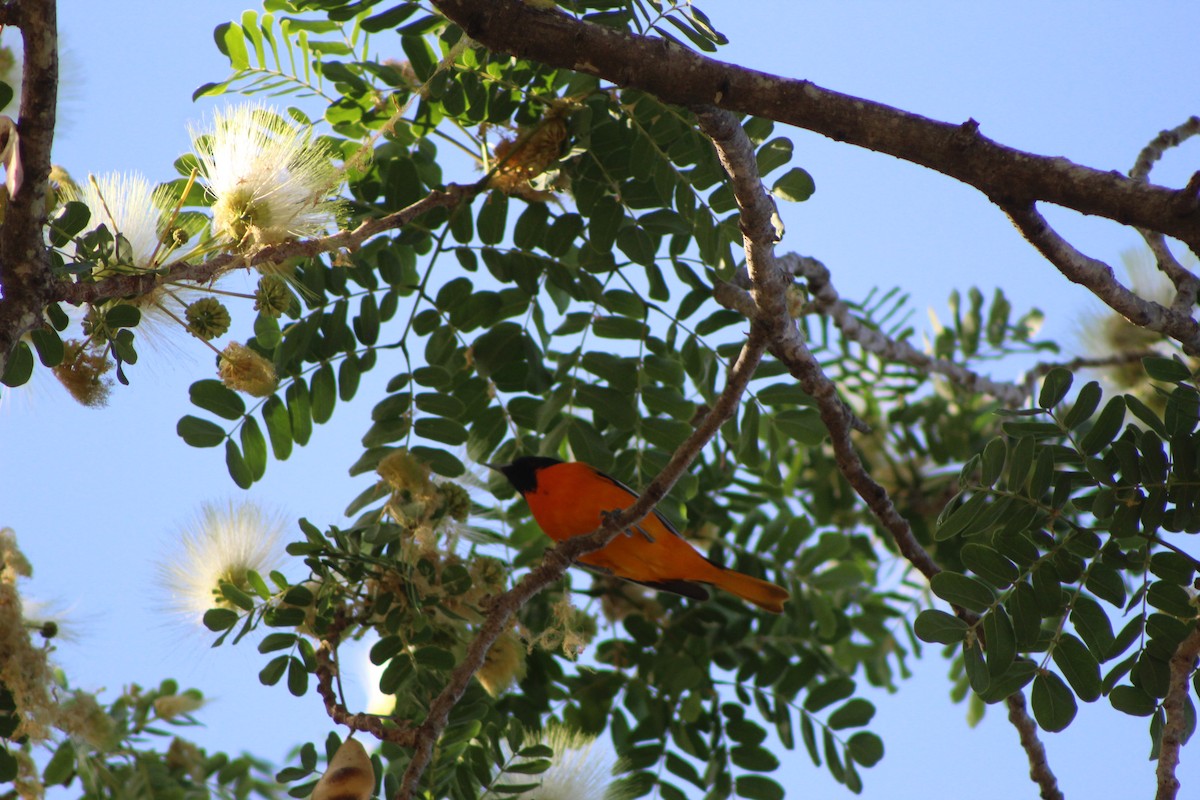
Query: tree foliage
{"x": 544, "y": 260}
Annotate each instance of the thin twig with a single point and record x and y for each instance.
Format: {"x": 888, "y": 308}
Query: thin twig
{"x": 1042, "y": 368}
{"x": 1186, "y": 283}
{"x": 825, "y": 300}
{"x": 137, "y": 285}
{"x": 327, "y": 671}
{"x": 1183, "y": 664}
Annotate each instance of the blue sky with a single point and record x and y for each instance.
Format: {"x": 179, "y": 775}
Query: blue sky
{"x": 96, "y": 496}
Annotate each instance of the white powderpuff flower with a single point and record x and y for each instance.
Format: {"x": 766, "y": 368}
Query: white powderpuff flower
{"x": 580, "y": 769}
{"x": 221, "y": 545}
{"x": 268, "y": 179}
{"x": 127, "y": 204}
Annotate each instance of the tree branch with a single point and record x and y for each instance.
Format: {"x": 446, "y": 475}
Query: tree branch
{"x": 558, "y": 558}
{"x": 1039, "y": 768}
{"x": 827, "y": 301}
{"x": 1183, "y": 664}
{"x": 1187, "y": 286}
{"x": 1098, "y": 277}
{"x": 767, "y": 274}
{"x": 24, "y": 263}
{"x": 139, "y": 284}
{"x": 675, "y": 75}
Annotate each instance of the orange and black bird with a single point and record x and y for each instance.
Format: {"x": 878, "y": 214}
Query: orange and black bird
{"x": 570, "y": 498}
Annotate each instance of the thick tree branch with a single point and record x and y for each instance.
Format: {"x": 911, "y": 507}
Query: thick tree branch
{"x": 675, "y": 75}
{"x": 1098, "y": 277}
{"x": 24, "y": 263}
{"x": 558, "y": 558}
{"x": 1183, "y": 664}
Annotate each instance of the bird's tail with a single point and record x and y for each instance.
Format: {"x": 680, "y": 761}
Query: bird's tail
{"x": 763, "y": 594}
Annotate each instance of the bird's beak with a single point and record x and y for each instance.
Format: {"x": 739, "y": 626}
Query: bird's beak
{"x": 497, "y": 467}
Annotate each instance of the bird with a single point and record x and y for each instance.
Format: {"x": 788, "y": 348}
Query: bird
{"x": 570, "y": 498}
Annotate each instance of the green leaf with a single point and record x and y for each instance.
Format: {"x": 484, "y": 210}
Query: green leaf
{"x": 200, "y": 432}
{"x": 989, "y": 565}
{"x": 69, "y": 220}
{"x": 1001, "y": 641}
{"x": 795, "y": 185}
{"x": 1055, "y": 386}
{"x": 299, "y": 411}
{"x": 297, "y": 680}
{"x": 1053, "y": 704}
{"x": 220, "y": 619}
{"x": 19, "y": 367}
{"x": 638, "y": 245}
{"x": 231, "y": 41}
{"x": 753, "y": 758}
{"x": 1078, "y": 666}
{"x": 773, "y": 154}
{"x": 388, "y": 19}
{"x": 1170, "y": 370}
{"x": 49, "y": 346}
{"x": 1106, "y": 428}
{"x": 1085, "y": 405}
{"x": 758, "y": 787}
{"x": 938, "y": 627}
{"x": 854, "y": 714}
{"x": 441, "y": 430}
{"x": 828, "y": 693}
{"x": 978, "y": 676}
{"x": 324, "y": 394}
{"x": 273, "y": 671}
{"x": 866, "y": 748}
{"x": 254, "y": 448}
{"x": 1023, "y": 612}
{"x": 1093, "y": 625}
{"x": 1133, "y": 701}
{"x": 493, "y": 217}
{"x": 960, "y": 518}
{"x": 279, "y": 427}
{"x": 992, "y": 463}
{"x": 238, "y": 469}
{"x": 60, "y": 769}
{"x": 961, "y": 590}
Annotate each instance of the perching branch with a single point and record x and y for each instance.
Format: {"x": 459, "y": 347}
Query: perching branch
{"x": 736, "y": 153}
{"x": 676, "y": 75}
{"x": 1183, "y": 664}
{"x": 558, "y": 558}
{"x": 1098, "y": 277}
{"x": 24, "y": 262}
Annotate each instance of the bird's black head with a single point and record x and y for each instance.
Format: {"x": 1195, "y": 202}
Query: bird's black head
{"x": 522, "y": 472}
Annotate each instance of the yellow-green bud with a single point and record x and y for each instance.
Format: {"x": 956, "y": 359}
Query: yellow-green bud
{"x": 456, "y": 503}
{"x": 272, "y": 296}
{"x": 208, "y": 318}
